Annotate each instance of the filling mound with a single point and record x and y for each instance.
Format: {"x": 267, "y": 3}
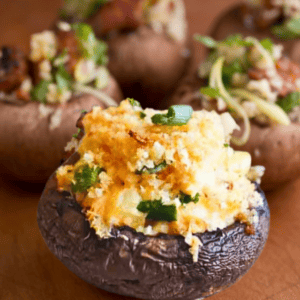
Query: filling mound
{"x": 167, "y": 172}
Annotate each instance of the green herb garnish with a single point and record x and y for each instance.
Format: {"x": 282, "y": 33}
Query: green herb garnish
{"x": 75, "y": 135}
{"x": 177, "y": 115}
{"x": 62, "y": 78}
{"x": 91, "y": 47}
{"x": 134, "y": 102}
{"x": 85, "y": 177}
{"x": 185, "y": 199}
{"x": 142, "y": 115}
{"x": 81, "y": 9}
{"x": 288, "y": 30}
{"x": 100, "y": 50}
{"x": 289, "y": 102}
{"x": 226, "y": 145}
{"x": 211, "y": 92}
{"x": 230, "y": 69}
{"x": 156, "y": 169}
{"x": 40, "y": 91}
{"x": 267, "y": 44}
{"x": 206, "y": 41}
{"x": 236, "y": 40}
{"x": 158, "y": 211}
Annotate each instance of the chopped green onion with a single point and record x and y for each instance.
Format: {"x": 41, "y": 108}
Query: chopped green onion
{"x": 134, "y": 102}
{"x": 288, "y": 30}
{"x": 237, "y": 40}
{"x": 211, "y": 92}
{"x": 226, "y": 145}
{"x": 158, "y": 211}
{"x": 215, "y": 81}
{"x": 267, "y": 44}
{"x": 294, "y": 25}
{"x": 63, "y": 79}
{"x": 230, "y": 69}
{"x": 156, "y": 169}
{"x": 85, "y": 177}
{"x": 289, "y": 102}
{"x": 142, "y": 115}
{"x": 185, "y": 199}
{"x": 75, "y": 135}
{"x": 100, "y": 53}
{"x": 40, "y": 91}
{"x": 177, "y": 115}
{"x": 91, "y": 47}
{"x": 284, "y": 33}
{"x": 273, "y": 111}
{"x": 206, "y": 41}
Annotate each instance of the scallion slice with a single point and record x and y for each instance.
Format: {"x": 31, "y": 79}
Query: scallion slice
{"x": 156, "y": 169}
{"x": 215, "y": 81}
{"x": 157, "y": 211}
{"x": 273, "y": 111}
{"x": 177, "y": 115}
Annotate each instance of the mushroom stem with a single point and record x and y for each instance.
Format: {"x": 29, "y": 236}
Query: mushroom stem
{"x": 100, "y": 95}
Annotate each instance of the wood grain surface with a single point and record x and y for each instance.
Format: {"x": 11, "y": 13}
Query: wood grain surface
{"x": 29, "y": 271}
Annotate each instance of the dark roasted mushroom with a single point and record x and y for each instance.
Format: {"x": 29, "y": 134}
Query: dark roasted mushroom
{"x": 133, "y": 264}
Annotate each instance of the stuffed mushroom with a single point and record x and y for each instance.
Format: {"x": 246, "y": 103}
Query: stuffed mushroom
{"x": 276, "y": 19}
{"x": 42, "y": 95}
{"x": 155, "y": 204}
{"x": 259, "y": 86}
{"x": 148, "y": 43}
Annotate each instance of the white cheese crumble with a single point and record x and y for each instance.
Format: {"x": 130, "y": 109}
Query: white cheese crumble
{"x": 88, "y": 157}
{"x": 55, "y": 119}
{"x": 195, "y": 244}
{"x": 56, "y": 96}
{"x": 73, "y": 144}
{"x": 43, "y": 46}
{"x": 102, "y": 77}
{"x": 45, "y": 110}
{"x": 171, "y": 15}
{"x": 263, "y": 88}
{"x": 26, "y": 85}
{"x": 64, "y": 26}
{"x": 45, "y": 69}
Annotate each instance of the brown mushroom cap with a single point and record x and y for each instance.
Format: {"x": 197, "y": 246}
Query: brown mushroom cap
{"x": 29, "y": 150}
{"x": 277, "y": 148}
{"x": 159, "y": 267}
{"x": 147, "y": 64}
{"x": 231, "y": 22}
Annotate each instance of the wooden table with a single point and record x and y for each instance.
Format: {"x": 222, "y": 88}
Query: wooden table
{"x": 29, "y": 271}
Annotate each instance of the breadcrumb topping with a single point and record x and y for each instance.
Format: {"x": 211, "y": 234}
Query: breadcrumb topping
{"x": 191, "y": 160}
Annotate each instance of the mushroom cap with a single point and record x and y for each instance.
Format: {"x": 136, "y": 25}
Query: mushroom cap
{"x": 147, "y": 267}
{"x": 29, "y": 150}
